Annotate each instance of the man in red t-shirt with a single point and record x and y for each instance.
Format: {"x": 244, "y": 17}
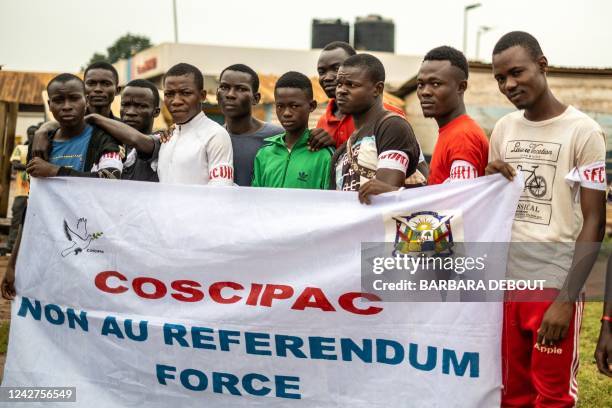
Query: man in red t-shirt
{"x": 462, "y": 149}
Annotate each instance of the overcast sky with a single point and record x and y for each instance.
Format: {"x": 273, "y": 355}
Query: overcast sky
{"x": 61, "y": 35}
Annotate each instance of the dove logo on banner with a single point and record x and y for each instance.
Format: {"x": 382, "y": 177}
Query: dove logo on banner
{"x": 79, "y": 239}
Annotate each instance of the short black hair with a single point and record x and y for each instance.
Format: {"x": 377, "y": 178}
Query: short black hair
{"x": 31, "y": 130}
{"x": 368, "y": 63}
{"x": 186, "y": 69}
{"x": 65, "y": 77}
{"x": 340, "y": 44}
{"x": 520, "y": 38}
{"x": 247, "y": 70}
{"x": 450, "y": 54}
{"x": 105, "y": 66}
{"x": 143, "y": 83}
{"x": 293, "y": 79}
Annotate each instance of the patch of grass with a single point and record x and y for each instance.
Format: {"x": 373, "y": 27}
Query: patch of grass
{"x": 4, "y": 335}
{"x": 595, "y": 389}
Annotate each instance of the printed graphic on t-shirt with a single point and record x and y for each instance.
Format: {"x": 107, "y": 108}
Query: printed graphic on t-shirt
{"x": 534, "y": 212}
{"x": 365, "y": 158}
{"x": 528, "y": 149}
{"x": 539, "y": 179}
{"x": 302, "y": 176}
{"x": 537, "y": 161}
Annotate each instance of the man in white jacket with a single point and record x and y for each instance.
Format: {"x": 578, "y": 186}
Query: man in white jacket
{"x": 199, "y": 151}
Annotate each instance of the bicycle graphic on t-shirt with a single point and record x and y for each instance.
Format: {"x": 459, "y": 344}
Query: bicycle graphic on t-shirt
{"x": 534, "y": 183}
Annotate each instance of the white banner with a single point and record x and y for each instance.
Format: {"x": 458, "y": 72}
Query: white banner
{"x": 151, "y": 295}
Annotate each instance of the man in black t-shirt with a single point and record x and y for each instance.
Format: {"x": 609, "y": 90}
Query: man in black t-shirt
{"x": 139, "y": 108}
{"x": 140, "y": 105}
{"x": 383, "y": 147}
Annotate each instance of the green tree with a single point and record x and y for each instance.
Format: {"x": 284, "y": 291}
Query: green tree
{"x": 96, "y": 58}
{"x": 127, "y": 46}
{"x": 124, "y": 47}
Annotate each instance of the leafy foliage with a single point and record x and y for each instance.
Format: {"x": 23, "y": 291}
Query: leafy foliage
{"x": 125, "y": 46}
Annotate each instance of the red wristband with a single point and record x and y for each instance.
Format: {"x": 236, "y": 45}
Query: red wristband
{"x": 606, "y": 318}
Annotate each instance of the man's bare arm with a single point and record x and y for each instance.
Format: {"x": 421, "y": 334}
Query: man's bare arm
{"x": 423, "y": 168}
{"x": 500, "y": 166}
{"x": 386, "y": 180}
{"x": 603, "y": 350}
{"x": 125, "y": 134}
{"x": 40, "y": 143}
{"x": 8, "y": 281}
{"x": 556, "y": 321}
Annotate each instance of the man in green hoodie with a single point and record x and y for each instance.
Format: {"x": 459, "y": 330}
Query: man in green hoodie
{"x": 285, "y": 161}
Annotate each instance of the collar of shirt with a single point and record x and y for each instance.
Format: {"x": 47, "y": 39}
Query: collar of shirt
{"x": 192, "y": 123}
{"x": 453, "y": 123}
{"x": 279, "y": 140}
{"x": 329, "y": 113}
{"x": 339, "y": 128}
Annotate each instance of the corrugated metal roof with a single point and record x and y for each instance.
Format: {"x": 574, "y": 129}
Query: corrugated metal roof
{"x": 267, "y": 82}
{"x": 410, "y": 85}
{"x": 27, "y": 88}
{"x": 266, "y": 88}
{"x": 24, "y": 87}
{"x": 552, "y": 69}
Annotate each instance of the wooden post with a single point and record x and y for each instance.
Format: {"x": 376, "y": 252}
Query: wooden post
{"x": 7, "y": 143}
{"x": 4, "y": 106}
{"x": 3, "y": 113}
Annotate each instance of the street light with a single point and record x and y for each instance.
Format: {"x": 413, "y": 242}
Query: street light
{"x": 465, "y": 13}
{"x": 481, "y": 30}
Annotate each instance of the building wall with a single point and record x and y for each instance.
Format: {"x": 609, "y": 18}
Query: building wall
{"x": 212, "y": 59}
{"x": 267, "y": 113}
{"x": 484, "y": 102}
{"x": 25, "y": 120}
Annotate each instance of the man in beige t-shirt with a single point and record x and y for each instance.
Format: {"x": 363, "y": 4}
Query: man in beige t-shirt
{"x": 556, "y": 157}
{"x": 560, "y": 152}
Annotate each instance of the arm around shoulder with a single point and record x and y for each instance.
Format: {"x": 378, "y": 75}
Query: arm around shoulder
{"x": 125, "y": 134}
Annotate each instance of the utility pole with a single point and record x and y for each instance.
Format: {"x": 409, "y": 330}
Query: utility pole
{"x": 175, "y": 22}
{"x": 465, "y": 22}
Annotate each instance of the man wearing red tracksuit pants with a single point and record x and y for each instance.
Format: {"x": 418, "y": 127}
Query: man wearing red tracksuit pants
{"x": 557, "y": 228}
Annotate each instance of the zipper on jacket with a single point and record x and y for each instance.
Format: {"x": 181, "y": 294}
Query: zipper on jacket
{"x": 173, "y": 150}
{"x": 286, "y": 166}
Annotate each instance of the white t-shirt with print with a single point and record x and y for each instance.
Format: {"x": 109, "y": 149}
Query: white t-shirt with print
{"x": 556, "y": 157}
{"x": 198, "y": 152}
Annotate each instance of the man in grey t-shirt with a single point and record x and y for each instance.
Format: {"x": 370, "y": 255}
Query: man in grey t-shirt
{"x": 237, "y": 93}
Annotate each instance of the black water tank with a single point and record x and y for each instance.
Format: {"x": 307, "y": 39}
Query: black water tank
{"x": 373, "y": 33}
{"x": 326, "y": 31}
